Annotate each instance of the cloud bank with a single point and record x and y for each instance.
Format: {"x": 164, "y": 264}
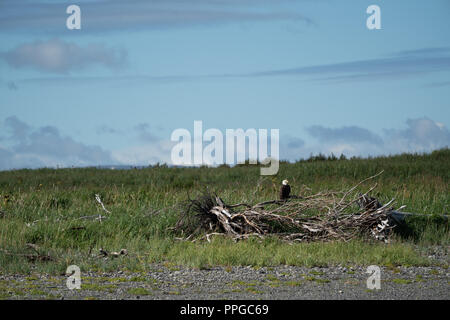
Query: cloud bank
{"x": 420, "y": 135}
{"x": 22, "y": 146}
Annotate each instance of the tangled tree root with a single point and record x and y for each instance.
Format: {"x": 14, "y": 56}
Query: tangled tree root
{"x": 324, "y": 216}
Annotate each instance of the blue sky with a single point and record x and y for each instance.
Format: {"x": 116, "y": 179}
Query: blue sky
{"x": 112, "y": 92}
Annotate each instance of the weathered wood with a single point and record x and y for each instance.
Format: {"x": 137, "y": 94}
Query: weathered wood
{"x": 289, "y": 219}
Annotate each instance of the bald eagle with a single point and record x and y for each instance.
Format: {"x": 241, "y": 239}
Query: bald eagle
{"x": 285, "y": 190}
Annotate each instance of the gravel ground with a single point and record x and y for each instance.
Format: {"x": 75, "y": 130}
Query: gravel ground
{"x": 166, "y": 281}
{"x": 282, "y": 282}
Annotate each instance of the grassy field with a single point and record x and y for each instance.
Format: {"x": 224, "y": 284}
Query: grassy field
{"x": 43, "y": 207}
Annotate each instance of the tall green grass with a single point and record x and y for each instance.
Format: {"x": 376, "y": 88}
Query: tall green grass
{"x": 43, "y": 206}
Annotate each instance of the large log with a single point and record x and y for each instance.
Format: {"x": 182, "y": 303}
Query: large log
{"x": 399, "y": 217}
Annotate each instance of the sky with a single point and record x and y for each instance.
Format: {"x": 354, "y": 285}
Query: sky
{"x": 112, "y": 92}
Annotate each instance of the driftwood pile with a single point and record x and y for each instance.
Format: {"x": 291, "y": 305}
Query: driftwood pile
{"x": 324, "y": 216}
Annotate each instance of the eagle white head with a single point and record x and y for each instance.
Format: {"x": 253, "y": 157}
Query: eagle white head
{"x": 285, "y": 182}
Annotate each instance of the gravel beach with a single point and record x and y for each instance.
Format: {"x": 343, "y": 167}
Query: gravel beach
{"x": 171, "y": 282}
{"x": 234, "y": 283}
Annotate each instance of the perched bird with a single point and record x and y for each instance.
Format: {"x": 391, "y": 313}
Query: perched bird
{"x": 285, "y": 190}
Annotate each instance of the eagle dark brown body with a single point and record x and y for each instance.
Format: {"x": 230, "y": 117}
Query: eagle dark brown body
{"x": 285, "y": 190}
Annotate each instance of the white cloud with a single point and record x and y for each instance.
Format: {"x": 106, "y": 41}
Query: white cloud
{"x": 421, "y": 135}
{"x": 58, "y": 56}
